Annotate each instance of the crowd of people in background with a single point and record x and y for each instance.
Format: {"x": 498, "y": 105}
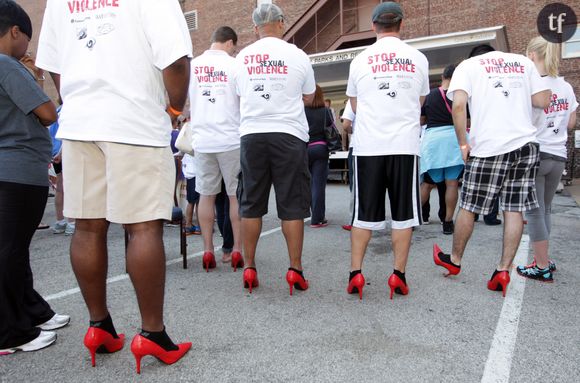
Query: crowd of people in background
{"x": 258, "y": 121}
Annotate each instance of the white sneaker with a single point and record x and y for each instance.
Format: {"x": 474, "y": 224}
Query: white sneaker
{"x": 56, "y": 322}
{"x": 70, "y": 229}
{"x": 59, "y": 227}
{"x": 45, "y": 339}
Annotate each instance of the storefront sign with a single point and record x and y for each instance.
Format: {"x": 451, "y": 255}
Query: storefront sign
{"x": 334, "y": 57}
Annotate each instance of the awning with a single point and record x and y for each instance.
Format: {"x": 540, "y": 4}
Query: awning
{"x": 331, "y": 68}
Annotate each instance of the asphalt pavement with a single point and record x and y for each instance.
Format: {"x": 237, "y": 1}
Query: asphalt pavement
{"x": 441, "y": 332}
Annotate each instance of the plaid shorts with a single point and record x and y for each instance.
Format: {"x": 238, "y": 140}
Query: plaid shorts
{"x": 511, "y": 176}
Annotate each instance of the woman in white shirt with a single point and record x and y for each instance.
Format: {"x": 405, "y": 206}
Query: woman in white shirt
{"x": 553, "y": 124}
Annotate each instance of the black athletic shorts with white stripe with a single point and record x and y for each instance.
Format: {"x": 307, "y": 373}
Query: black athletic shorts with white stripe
{"x": 373, "y": 176}
{"x": 510, "y": 177}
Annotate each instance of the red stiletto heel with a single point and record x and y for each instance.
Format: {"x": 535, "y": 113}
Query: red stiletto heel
{"x": 208, "y": 261}
{"x": 250, "y": 278}
{"x": 141, "y": 346}
{"x": 356, "y": 284}
{"x": 100, "y": 341}
{"x": 397, "y": 285}
{"x": 452, "y": 269}
{"x": 499, "y": 282}
{"x": 296, "y": 280}
{"x": 237, "y": 260}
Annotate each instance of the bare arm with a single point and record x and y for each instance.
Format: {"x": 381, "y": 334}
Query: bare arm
{"x": 176, "y": 80}
{"x": 460, "y": 121}
{"x": 56, "y": 79}
{"x": 353, "y": 104}
{"x": 572, "y": 121}
{"x": 346, "y": 130}
{"x": 542, "y": 99}
{"x": 422, "y": 100}
{"x": 46, "y": 113}
{"x": 423, "y": 120}
{"x": 308, "y": 99}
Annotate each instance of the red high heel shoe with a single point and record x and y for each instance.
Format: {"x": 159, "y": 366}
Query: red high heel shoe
{"x": 237, "y": 260}
{"x": 250, "y": 278}
{"x": 499, "y": 282}
{"x": 296, "y": 280}
{"x": 356, "y": 284}
{"x": 141, "y": 346}
{"x": 397, "y": 285}
{"x": 208, "y": 261}
{"x": 452, "y": 269}
{"x": 97, "y": 340}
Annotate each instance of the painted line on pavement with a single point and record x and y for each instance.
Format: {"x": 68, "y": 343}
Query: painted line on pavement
{"x": 123, "y": 277}
{"x": 499, "y": 360}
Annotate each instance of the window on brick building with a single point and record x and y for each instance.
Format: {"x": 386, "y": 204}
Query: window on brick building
{"x": 571, "y": 48}
{"x": 191, "y": 19}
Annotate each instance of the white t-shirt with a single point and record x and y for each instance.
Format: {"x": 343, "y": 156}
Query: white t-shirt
{"x": 110, "y": 56}
{"x": 188, "y": 166}
{"x": 499, "y": 87}
{"x": 215, "y": 106}
{"x": 271, "y": 77}
{"x": 348, "y": 114}
{"x": 552, "y": 122}
{"x": 388, "y": 79}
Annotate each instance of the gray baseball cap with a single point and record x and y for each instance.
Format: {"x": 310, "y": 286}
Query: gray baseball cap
{"x": 390, "y": 7}
{"x": 267, "y": 13}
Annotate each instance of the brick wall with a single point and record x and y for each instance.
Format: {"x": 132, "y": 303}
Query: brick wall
{"x": 422, "y": 18}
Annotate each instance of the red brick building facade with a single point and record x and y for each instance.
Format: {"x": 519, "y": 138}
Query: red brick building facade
{"x": 331, "y": 19}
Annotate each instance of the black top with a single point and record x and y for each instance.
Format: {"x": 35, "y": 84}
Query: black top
{"x": 435, "y": 110}
{"x": 317, "y": 118}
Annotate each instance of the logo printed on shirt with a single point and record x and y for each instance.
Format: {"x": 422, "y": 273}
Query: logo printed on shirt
{"x": 501, "y": 66}
{"x": 262, "y": 64}
{"x": 389, "y": 62}
{"x": 557, "y": 104}
{"x": 208, "y": 74}
{"x": 81, "y": 6}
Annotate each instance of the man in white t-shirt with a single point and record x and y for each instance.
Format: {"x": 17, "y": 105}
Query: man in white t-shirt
{"x": 216, "y": 138}
{"x": 272, "y": 78}
{"x": 502, "y": 153}
{"x": 112, "y": 64}
{"x": 387, "y": 85}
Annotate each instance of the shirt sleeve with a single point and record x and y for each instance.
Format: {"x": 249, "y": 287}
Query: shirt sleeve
{"x": 348, "y": 114}
{"x": 573, "y": 102}
{"x": 23, "y": 90}
{"x": 425, "y": 87}
{"x": 166, "y": 31}
{"x": 460, "y": 80}
{"x": 309, "y": 86}
{"x": 536, "y": 81}
{"x": 351, "y": 90}
{"x": 47, "y": 56}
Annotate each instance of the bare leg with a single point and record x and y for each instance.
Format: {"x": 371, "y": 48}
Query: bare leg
{"x": 541, "y": 253}
{"x": 512, "y": 235}
{"x": 294, "y": 233}
{"x": 359, "y": 239}
{"x": 206, "y": 211}
{"x": 88, "y": 254}
{"x": 59, "y": 198}
{"x": 189, "y": 215}
{"x": 236, "y": 223}
{"x": 463, "y": 231}
{"x": 451, "y": 195}
{"x": 146, "y": 267}
{"x": 401, "y": 240}
{"x": 425, "y": 191}
{"x": 251, "y": 229}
